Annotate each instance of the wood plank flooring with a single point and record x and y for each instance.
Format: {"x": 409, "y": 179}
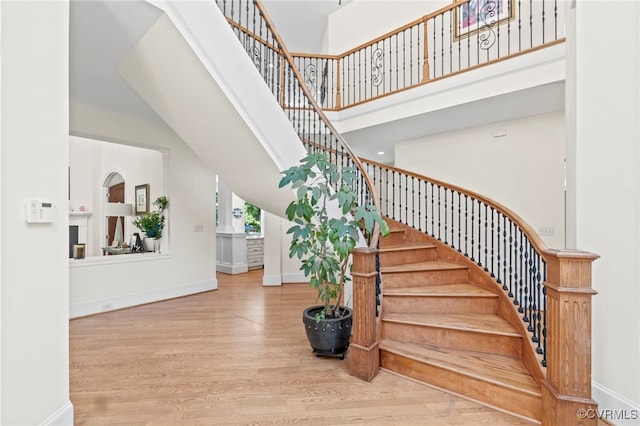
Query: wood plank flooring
{"x": 237, "y": 356}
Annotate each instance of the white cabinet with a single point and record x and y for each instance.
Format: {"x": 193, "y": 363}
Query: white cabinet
{"x": 255, "y": 252}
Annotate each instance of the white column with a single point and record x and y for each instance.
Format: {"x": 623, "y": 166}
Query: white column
{"x": 603, "y": 184}
{"x": 271, "y": 228}
{"x": 231, "y": 240}
{"x": 34, "y": 305}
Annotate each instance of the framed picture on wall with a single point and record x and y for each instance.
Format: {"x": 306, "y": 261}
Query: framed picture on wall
{"x": 142, "y": 199}
{"x": 475, "y": 16}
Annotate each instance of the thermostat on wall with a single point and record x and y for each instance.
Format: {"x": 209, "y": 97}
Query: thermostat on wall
{"x": 39, "y": 211}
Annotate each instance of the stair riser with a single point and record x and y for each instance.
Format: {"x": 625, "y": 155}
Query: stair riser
{"x": 452, "y": 338}
{"x": 508, "y": 399}
{"x": 423, "y": 278}
{"x": 438, "y": 304}
{"x": 401, "y": 257}
{"x": 394, "y": 238}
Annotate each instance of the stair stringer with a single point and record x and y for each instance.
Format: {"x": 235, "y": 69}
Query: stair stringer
{"x": 191, "y": 70}
{"x": 479, "y": 277}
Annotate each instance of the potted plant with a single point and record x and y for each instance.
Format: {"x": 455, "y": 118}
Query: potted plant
{"x": 152, "y": 223}
{"x": 324, "y": 242}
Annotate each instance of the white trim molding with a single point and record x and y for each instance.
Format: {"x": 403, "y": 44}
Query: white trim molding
{"x": 613, "y": 408}
{"x": 62, "y": 417}
{"x": 294, "y": 278}
{"x": 271, "y": 280}
{"x": 127, "y": 301}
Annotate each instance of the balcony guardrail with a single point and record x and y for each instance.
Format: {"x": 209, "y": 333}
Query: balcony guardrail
{"x": 454, "y": 39}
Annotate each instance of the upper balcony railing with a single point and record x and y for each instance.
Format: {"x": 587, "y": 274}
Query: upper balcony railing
{"x": 454, "y": 39}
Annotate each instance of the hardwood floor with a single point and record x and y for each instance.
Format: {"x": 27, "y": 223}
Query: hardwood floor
{"x": 237, "y": 356}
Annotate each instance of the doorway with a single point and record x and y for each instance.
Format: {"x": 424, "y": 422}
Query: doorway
{"x": 115, "y": 187}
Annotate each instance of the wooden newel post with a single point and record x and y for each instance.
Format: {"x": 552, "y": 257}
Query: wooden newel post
{"x": 364, "y": 357}
{"x": 566, "y": 392}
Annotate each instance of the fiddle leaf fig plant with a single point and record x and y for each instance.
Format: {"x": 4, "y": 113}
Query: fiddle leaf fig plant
{"x": 321, "y": 240}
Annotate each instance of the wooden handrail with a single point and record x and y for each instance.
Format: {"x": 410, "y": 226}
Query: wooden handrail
{"x": 391, "y": 33}
{"x": 426, "y": 80}
{"x": 426, "y": 68}
{"x": 283, "y": 50}
{"x": 535, "y": 239}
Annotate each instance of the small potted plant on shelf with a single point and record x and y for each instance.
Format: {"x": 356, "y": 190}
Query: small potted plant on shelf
{"x": 324, "y": 242}
{"x": 152, "y": 223}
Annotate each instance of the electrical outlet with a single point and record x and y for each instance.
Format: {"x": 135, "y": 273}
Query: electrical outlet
{"x": 107, "y": 306}
{"x": 546, "y": 231}
{"x": 198, "y": 228}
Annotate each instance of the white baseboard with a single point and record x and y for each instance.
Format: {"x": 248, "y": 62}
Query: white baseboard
{"x": 227, "y": 268}
{"x": 126, "y": 301}
{"x": 294, "y": 278}
{"x": 62, "y": 417}
{"x": 614, "y": 408}
{"x": 271, "y": 280}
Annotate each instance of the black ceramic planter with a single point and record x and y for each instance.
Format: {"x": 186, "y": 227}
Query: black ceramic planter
{"x": 330, "y": 336}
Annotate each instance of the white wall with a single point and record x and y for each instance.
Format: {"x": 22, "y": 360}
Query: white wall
{"x": 603, "y": 174}
{"x": 361, "y": 21}
{"x": 189, "y": 264}
{"x": 91, "y": 162}
{"x": 523, "y": 170}
{"x": 34, "y": 268}
{"x": 279, "y": 268}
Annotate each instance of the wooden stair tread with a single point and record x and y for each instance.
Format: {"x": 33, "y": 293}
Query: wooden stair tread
{"x": 479, "y": 323}
{"x": 429, "y": 265}
{"x": 498, "y": 369}
{"x": 441, "y": 290}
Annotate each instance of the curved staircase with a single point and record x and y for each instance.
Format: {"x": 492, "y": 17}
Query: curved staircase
{"x": 443, "y": 325}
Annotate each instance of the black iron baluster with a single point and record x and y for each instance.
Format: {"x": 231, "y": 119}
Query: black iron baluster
{"x": 493, "y": 233}
{"x": 543, "y": 20}
{"x": 555, "y": 19}
{"x": 452, "y": 222}
{"x": 531, "y": 23}
{"x": 393, "y": 194}
{"x": 526, "y": 300}
{"x": 433, "y": 46}
{"x": 466, "y": 225}
{"x": 479, "y": 233}
{"x": 477, "y": 33}
{"x": 544, "y": 318}
{"x": 498, "y": 257}
{"x": 459, "y": 222}
{"x": 535, "y": 319}
{"x": 420, "y": 205}
{"x": 420, "y": 52}
{"x": 486, "y": 239}
{"x": 519, "y": 25}
{"x": 442, "y": 47}
{"x": 445, "y": 211}
{"x": 473, "y": 208}
{"x": 404, "y": 57}
{"x": 406, "y": 199}
{"x": 511, "y": 251}
{"x": 366, "y": 73}
{"x": 519, "y": 282}
{"x": 433, "y": 217}
{"x": 504, "y": 246}
{"x": 413, "y": 202}
{"x": 439, "y": 210}
{"x": 509, "y": 8}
